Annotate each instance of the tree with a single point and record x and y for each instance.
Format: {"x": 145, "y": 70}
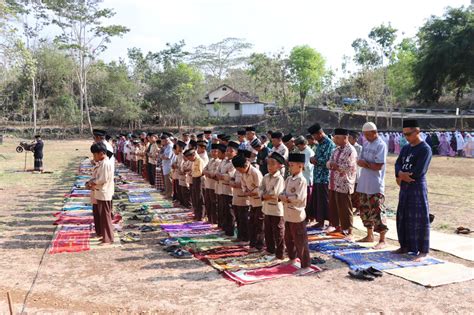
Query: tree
{"x": 400, "y": 75}
{"x": 85, "y": 37}
{"x": 215, "y": 60}
{"x": 307, "y": 72}
{"x": 175, "y": 93}
{"x": 446, "y": 54}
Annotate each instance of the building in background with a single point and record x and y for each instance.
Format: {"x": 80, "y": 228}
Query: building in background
{"x": 225, "y": 101}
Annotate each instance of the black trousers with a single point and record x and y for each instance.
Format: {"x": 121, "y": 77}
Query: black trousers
{"x": 256, "y": 233}
{"x": 151, "y": 171}
{"x": 228, "y": 215}
{"x": 242, "y": 218}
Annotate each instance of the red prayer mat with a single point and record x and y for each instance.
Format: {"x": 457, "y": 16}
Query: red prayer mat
{"x": 68, "y": 241}
{"x": 243, "y": 276}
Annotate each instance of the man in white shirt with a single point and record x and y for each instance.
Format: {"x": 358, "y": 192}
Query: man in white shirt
{"x": 166, "y": 157}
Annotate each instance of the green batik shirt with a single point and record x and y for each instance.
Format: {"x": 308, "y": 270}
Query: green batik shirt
{"x": 323, "y": 154}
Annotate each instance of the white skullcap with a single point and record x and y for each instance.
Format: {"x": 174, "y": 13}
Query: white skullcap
{"x": 369, "y": 126}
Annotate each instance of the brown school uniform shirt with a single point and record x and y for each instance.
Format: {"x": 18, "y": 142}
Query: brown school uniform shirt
{"x": 197, "y": 166}
{"x": 272, "y": 185}
{"x": 153, "y": 153}
{"x": 238, "y": 198}
{"x": 251, "y": 181}
{"x": 295, "y": 190}
{"x": 211, "y": 168}
{"x": 227, "y": 170}
{"x": 103, "y": 176}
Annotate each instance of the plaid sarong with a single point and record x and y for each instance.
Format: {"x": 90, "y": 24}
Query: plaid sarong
{"x": 159, "y": 179}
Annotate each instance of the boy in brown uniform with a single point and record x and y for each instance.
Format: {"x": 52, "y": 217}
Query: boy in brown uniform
{"x": 294, "y": 202}
{"x": 196, "y": 174}
{"x": 102, "y": 185}
{"x": 272, "y": 186}
{"x": 219, "y": 184}
{"x": 251, "y": 180}
{"x": 225, "y": 172}
{"x": 210, "y": 184}
{"x": 240, "y": 203}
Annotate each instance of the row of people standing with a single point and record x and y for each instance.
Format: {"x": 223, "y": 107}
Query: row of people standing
{"x": 339, "y": 175}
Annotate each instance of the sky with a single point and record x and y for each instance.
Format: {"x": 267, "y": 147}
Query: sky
{"x": 329, "y": 26}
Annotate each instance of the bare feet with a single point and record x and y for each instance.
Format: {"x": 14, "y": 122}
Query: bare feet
{"x": 291, "y": 262}
{"x": 106, "y": 244}
{"x": 380, "y": 245}
{"x": 400, "y": 251}
{"x": 330, "y": 229}
{"x": 303, "y": 271}
{"x": 349, "y": 237}
{"x": 421, "y": 257}
{"x": 366, "y": 239}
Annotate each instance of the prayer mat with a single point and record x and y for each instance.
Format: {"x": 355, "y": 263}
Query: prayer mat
{"x": 77, "y": 207}
{"x": 243, "y": 277}
{"x": 204, "y": 239}
{"x": 64, "y": 219}
{"x": 435, "y": 275}
{"x": 322, "y": 237}
{"x": 223, "y": 252}
{"x": 250, "y": 261}
{"x": 76, "y": 195}
{"x": 196, "y": 233}
{"x": 333, "y": 246}
{"x": 170, "y": 210}
{"x": 138, "y": 198}
{"x": 382, "y": 260}
{"x": 192, "y": 226}
{"x": 76, "y": 213}
{"x": 70, "y": 241}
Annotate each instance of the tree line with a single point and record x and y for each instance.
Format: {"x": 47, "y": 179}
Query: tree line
{"x": 64, "y": 81}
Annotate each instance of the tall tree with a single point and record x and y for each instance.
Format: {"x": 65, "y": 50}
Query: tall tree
{"x": 446, "y": 54}
{"x": 307, "y": 73}
{"x": 216, "y": 59}
{"x": 85, "y": 36}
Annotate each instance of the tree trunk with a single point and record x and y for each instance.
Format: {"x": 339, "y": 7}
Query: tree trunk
{"x": 86, "y": 103}
{"x": 302, "y": 108}
{"x": 33, "y": 96}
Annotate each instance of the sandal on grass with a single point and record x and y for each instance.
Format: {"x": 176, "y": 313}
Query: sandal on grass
{"x": 317, "y": 261}
{"x": 128, "y": 238}
{"x": 147, "y": 228}
{"x": 168, "y": 241}
{"x": 361, "y": 274}
{"x": 463, "y": 230}
{"x": 171, "y": 248}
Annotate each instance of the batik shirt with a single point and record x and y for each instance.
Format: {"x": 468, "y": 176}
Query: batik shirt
{"x": 343, "y": 179}
{"x": 323, "y": 154}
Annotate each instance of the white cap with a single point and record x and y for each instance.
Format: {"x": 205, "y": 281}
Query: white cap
{"x": 369, "y": 126}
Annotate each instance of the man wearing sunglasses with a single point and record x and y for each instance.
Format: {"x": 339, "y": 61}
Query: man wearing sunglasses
{"x": 413, "y": 222}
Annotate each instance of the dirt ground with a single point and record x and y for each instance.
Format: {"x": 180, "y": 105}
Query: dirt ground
{"x": 141, "y": 278}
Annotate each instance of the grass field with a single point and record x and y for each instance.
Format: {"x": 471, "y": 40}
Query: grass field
{"x": 141, "y": 278}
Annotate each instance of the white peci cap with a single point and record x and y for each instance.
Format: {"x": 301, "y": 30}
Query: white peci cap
{"x": 369, "y": 126}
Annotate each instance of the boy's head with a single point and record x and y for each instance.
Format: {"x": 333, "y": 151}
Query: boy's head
{"x": 232, "y": 149}
{"x": 99, "y": 151}
{"x": 288, "y": 141}
{"x": 296, "y": 162}
{"x": 353, "y": 137}
{"x": 250, "y": 133}
{"x": 276, "y": 138}
{"x": 241, "y": 135}
{"x": 190, "y": 155}
{"x": 256, "y": 144}
{"x": 201, "y": 146}
{"x": 180, "y": 145}
{"x": 275, "y": 162}
{"x": 240, "y": 163}
{"x": 221, "y": 151}
{"x": 214, "y": 150}
{"x": 301, "y": 143}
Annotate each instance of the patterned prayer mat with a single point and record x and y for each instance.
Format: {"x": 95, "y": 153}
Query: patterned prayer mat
{"x": 333, "y": 246}
{"x": 243, "y": 277}
{"x": 382, "y": 260}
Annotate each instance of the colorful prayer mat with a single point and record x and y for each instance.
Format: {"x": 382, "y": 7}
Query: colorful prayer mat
{"x": 333, "y": 246}
{"x": 138, "y": 198}
{"x": 70, "y": 241}
{"x": 382, "y": 260}
{"x": 243, "y": 277}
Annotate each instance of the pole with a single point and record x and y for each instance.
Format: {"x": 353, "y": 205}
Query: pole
{"x": 10, "y": 304}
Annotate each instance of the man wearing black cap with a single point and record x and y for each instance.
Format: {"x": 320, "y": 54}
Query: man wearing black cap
{"x": 321, "y": 173}
{"x": 413, "y": 223}
{"x": 240, "y": 202}
{"x": 99, "y": 136}
{"x": 219, "y": 191}
{"x": 38, "y": 154}
{"x": 343, "y": 167}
